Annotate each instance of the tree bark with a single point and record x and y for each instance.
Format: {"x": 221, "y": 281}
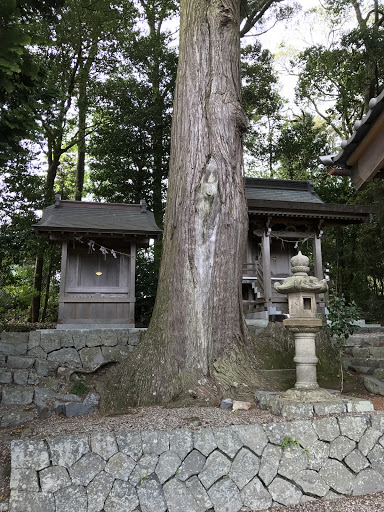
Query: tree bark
{"x": 197, "y": 336}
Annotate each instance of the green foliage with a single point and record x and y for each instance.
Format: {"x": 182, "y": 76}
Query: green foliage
{"x": 342, "y": 318}
{"x": 79, "y": 387}
{"x": 288, "y": 442}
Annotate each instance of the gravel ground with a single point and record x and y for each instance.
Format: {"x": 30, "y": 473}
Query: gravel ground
{"x": 158, "y": 418}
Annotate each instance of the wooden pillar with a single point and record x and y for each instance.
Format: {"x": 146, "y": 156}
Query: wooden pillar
{"x": 267, "y": 270}
{"x": 63, "y": 279}
{"x": 132, "y": 278}
{"x": 317, "y": 258}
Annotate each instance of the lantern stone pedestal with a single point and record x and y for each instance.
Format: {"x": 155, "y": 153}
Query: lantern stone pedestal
{"x": 306, "y": 398}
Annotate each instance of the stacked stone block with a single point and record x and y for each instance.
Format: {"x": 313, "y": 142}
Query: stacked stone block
{"x": 248, "y": 467}
{"x": 29, "y": 363}
{"x": 364, "y": 354}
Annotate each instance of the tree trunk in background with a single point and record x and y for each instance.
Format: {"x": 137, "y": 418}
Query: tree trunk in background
{"x": 80, "y": 167}
{"x": 37, "y": 283}
{"x": 197, "y": 336}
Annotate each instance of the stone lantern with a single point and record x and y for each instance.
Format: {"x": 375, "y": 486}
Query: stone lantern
{"x": 303, "y": 322}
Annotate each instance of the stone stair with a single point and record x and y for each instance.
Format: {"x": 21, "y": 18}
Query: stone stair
{"x": 364, "y": 354}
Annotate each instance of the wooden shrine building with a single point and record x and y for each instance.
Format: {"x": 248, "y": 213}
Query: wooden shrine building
{"x": 282, "y": 213}
{"x": 362, "y": 155}
{"x": 99, "y": 243}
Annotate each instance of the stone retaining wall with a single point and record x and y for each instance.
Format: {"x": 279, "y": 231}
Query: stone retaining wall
{"x": 364, "y": 354}
{"x": 226, "y": 469}
{"x": 26, "y": 356}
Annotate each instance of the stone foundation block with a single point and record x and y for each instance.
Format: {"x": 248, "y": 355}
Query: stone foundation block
{"x": 17, "y": 396}
{"x": 5, "y": 376}
{"x": 19, "y": 362}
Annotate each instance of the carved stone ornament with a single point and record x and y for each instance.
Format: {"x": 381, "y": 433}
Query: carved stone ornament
{"x": 301, "y": 281}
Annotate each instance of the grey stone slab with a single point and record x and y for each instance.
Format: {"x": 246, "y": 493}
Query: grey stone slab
{"x": 368, "y": 440}
{"x": 27, "y": 501}
{"x": 29, "y": 454}
{"x": 37, "y": 352}
{"x": 225, "y": 496}
{"x": 144, "y": 468}
{"x": 49, "y": 341}
{"x": 376, "y": 458}
{"x": 13, "y": 349}
{"x": 284, "y": 492}
{"x": 73, "y": 498}
{"x": 192, "y": 465}
{"x": 311, "y": 482}
{"x": 42, "y": 367}
{"x": 135, "y": 336}
{"x": 65, "y": 357}
{"x": 78, "y": 340}
{"x": 244, "y": 467}
{"x": 318, "y": 453}
{"x": 24, "y": 480}
{"x": 123, "y": 498}
{"x": 92, "y": 399}
{"x": 368, "y": 481}
{"x": 20, "y": 362}
{"x": 91, "y": 357}
{"x": 337, "y": 476}
{"x": 293, "y": 460}
{"x": 204, "y": 441}
{"x": 120, "y": 466}
{"x": 199, "y": 493}
{"x": 296, "y": 409}
{"x": 253, "y": 437}
{"x": 14, "y": 337}
{"x": 98, "y": 491}
{"x": 179, "y": 498}
{"x": 216, "y": 466}
{"x": 5, "y": 376}
{"x": 14, "y": 419}
{"x": 356, "y": 461}
{"x": 269, "y": 463}
{"x": 17, "y": 396}
{"x": 130, "y": 444}
{"x": 33, "y": 378}
{"x": 341, "y": 447}
{"x": 227, "y": 440}
{"x": 72, "y": 409}
{"x": 155, "y": 442}
{"x": 104, "y": 444}
{"x": 151, "y": 496}
{"x": 373, "y": 385}
{"x": 65, "y": 451}
{"x": 377, "y": 422}
{"x": 66, "y": 339}
{"x": 181, "y": 442}
{"x": 255, "y": 495}
{"x": 360, "y": 352}
{"x": 54, "y": 478}
{"x": 325, "y": 408}
{"x": 94, "y": 339}
{"x": 167, "y": 466}
{"x": 84, "y": 470}
{"x": 326, "y": 428}
{"x": 33, "y": 339}
{"x": 303, "y": 432}
{"x": 20, "y": 377}
{"x": 353, "y": 426}
{"x": 377, "y": 352}
{"x": 115, "y": 353}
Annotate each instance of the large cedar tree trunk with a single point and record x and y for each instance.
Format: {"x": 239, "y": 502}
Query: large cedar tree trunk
{"x": 196, "y": 343}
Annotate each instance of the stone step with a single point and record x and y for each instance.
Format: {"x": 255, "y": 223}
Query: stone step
{"x": 21, "y": 405}
{"x": 365, "y": 339}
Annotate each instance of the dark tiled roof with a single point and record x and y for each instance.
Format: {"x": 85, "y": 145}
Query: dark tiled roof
{"x": 362, "y": 128}
{"x": 281, "y": 190}
{"x": 80, "y": 216}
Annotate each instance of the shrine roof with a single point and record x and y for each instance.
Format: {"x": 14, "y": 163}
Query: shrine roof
{"x": 362, "y": 130}
{"x": 281, "y": 190}
{"x": 269, "y": 198}
{"x": 93, "y": 217}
